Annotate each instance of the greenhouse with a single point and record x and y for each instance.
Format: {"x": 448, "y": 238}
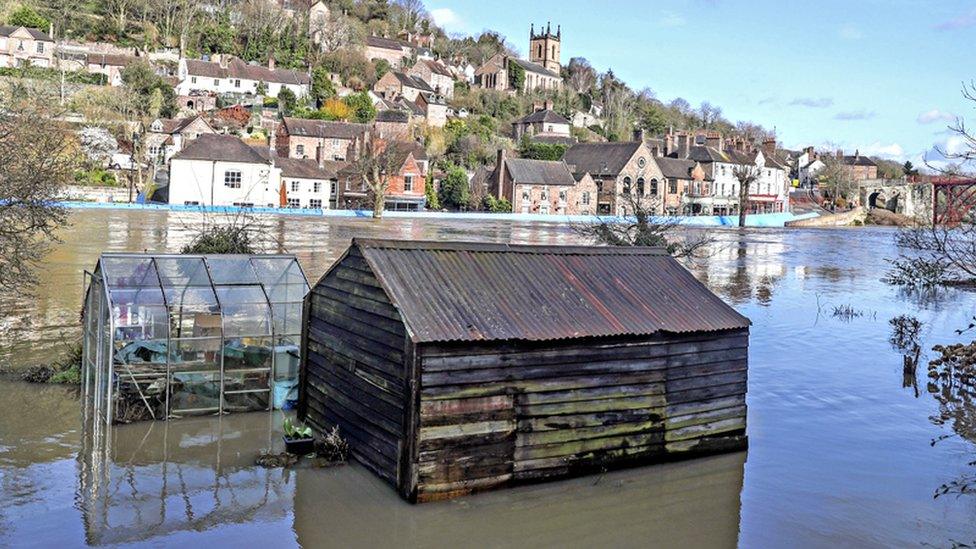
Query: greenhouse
{"x": 167, "y": 336}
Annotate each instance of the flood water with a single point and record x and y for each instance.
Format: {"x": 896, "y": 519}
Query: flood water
{"x": 840, "y": 452}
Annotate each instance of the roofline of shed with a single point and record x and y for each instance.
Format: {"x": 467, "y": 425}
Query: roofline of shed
{"x": 495, "y": 247}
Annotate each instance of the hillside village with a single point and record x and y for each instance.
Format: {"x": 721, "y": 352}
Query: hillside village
{"x": 366, "y": 104}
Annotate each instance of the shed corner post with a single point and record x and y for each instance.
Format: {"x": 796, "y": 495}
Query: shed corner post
{"x": 409, "y": 448}
{"x": 303, "y": 356}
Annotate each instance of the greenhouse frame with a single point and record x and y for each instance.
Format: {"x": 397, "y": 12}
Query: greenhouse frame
{"x": 167, "y": 335}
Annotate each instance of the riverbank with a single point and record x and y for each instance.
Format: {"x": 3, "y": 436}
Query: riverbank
{"x": 858, "y": 217}
{"x": 758, "y": 220}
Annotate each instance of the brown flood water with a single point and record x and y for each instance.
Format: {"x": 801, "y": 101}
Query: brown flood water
{"x": 840, "y": 452}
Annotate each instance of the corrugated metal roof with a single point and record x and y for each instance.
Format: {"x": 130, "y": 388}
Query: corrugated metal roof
{"x": 484, "y": 292}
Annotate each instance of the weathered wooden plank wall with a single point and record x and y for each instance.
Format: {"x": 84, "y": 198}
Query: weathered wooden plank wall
{"x": 490, "y": 417}
{"x": 354, "y": 365}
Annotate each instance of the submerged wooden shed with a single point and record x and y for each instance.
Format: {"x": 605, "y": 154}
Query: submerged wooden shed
{"x": 453, "y": 367}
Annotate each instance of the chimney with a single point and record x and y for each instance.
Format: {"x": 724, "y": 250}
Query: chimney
{"x": 548, "y": 104}
{"x": 640, "y": 134}
{"x": 713, "y": 140}
{"x": 684, "y": 145}
{"x": 50, "y": 30}
{"x": 839, "y": 153}
{"x": 769, "y": 146}
{"x": 499, "y": 173}
{"x": 320, "y": 154}
{"x": 271, "y": 62}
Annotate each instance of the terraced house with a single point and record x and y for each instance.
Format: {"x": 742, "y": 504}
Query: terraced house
{"x": 542, "y": 187}
{"x": 229, "y": 74}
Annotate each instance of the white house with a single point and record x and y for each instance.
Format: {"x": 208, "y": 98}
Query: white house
{"x": 221, "y": 170}
{"x": 808, "y": 165}
{"x": 307, "y": 183}
{"x": 770, "y": 193}
{"x": 229, "y": 74}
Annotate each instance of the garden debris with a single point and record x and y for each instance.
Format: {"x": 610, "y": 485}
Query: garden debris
{"x": 272, "y": 461}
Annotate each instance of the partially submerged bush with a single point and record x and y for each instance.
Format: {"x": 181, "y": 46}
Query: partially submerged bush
{"x": 917, "y": 272}
{"x": 332, "y": 447}
{"x": 905, "y": 330}
{"x": 221, "y": 239}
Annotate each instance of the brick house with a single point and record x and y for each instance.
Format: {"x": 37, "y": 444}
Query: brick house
{"x": 685, "y": 186}
{"x": 21, "y": 46}
{"x": 395, "y": 84}
{"x": 860, "y": 167}
{"x": 405, "y": 189}
{"x": 542, "y": 187}
{"x": 391, "y": 50}
{"x": 617, "y": 169}
{"x": 436, "y": 75}
{"x": 301, "y": 138}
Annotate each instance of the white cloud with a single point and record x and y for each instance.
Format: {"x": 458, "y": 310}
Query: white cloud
{"x": 671, "y": 19}
{"x": 892, "y": 151}
{"x": 850, "y": 32}
{"x": 935, "y": 115}
{"x": 813, "y": 102}
{"x": 447, "y": 19}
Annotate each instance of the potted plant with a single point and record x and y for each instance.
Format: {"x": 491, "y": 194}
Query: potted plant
{"x": 298, "y": 438}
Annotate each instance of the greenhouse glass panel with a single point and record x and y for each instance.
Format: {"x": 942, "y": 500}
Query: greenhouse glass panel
{"x": 173, "y": 335}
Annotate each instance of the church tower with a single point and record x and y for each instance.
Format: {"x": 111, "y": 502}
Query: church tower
{"x": 544, "y": 47}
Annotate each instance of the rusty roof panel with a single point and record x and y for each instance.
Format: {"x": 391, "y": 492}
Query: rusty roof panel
{"x": 483, "y": 292}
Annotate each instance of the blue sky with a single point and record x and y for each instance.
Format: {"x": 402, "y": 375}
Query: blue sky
{"x": 881, "y": 76}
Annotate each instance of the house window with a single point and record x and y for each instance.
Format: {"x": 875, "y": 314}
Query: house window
{"x": 654, "y": 187}
{"x": 626, "y": 185}
{"x": 315, "y": 203}
{"x": 408, "y": 183}
{"x": 562, "y": 196}
{"x": 237, "y": 83}
{"x": 216, "y": 81}
{"x": 599, "y": 186}
{"x": 232, "y": 179}
{"x": 193, "y": 79}
{"x": 673, "y": 186}
{"x": 294, "y": 186}
{"x": 294, "y": 203}
{"x": 335, "y": 142}
{"x": 40, "y": 47}
{"x": 545, "y": 196}
{"x": 640, "y": 186}
{"x": 317, "y": 187}
{"x": 525, "y": 195}
{"x": 348, "y": 185}
{"x": 585, "y": 199}
{"x": 300, "y": 151}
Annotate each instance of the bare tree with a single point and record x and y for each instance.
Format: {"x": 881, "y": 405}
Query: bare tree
{"x": 645, "y": 228}
{"x": 376, "y": 163}
{"x": 746, "y": 175}
{"x": 582, "y": 76}
{"x": 334, "y": 33}
{"x": 37, "y": 159}
{"x": 119, "y": 10}
{"x": 408, "y": 15}
{"x": 837, "y": 177}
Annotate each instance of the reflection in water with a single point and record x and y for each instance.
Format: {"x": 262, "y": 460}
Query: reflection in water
{"x": 142, "y": 481}
{"x": 687, "y": 504}
{"x": 148, "y": 481}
